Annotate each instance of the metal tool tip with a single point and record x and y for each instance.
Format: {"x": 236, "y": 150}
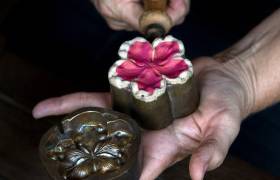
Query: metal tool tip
{"x": 154, "y": 31}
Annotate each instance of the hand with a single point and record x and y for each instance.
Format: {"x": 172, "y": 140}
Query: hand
{"x": 229, "y": 91}
{"x": 125, "y": 14}
{"x": 206, "y": 134}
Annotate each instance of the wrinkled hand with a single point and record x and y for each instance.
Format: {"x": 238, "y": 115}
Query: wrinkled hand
{"x": 125, "y": 14}
{"x": 206, "y": 134}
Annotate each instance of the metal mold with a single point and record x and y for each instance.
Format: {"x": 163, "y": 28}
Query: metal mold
{"x": 92, "y": 143}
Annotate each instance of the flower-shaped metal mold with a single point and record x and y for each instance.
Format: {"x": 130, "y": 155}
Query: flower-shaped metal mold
{"x": 95, "y": 144}
{"x": 153, "y": 82}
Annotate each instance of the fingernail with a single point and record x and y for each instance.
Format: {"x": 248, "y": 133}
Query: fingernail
{"x": 37, "y": 113}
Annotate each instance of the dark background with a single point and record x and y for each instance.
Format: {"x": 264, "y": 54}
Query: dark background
{"x": 60, "y": 33}
{"x": 69, "y": 40}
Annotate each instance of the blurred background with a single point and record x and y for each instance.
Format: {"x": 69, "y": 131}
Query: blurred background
{"x": 50, "y": 48}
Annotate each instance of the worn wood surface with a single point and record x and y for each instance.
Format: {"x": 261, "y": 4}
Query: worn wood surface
{"x": 21, "y": 85}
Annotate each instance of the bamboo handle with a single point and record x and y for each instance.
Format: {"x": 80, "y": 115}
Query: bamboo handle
{"x": 155, "y": 22}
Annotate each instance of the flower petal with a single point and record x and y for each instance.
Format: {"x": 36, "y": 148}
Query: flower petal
{"x": 172, "y": 68}
{"x": 165, "y": 50}
{"x": 128, "y": 70}
{"x": 106, "y": 165}
{"x": 81, "y": 171}
{"x": 107, "y": 150}
{"x": 149, "y": 80}
{"x": 123, "y": 51}
{"x": 140, "y": 52}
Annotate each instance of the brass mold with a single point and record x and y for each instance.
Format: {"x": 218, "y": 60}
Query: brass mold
{"x": 92, "y": 143}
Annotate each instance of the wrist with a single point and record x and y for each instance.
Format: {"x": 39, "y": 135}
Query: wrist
{"x": 254, "y": 63}
{"x": 243, "y": 74}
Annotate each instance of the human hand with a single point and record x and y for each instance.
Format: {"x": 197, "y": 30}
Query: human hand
{"x": 206, "y": 134}
{"x": 125, "y": 14}
{"x": 246, "y": 82}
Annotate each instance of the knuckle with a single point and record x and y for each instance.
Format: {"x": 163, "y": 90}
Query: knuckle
{"x": 104, "y": 12}
{"x": 184, "y": 10}
{"x": 104, "y": 9}
{"x": 182, "y": 7}
{"x": 183, "y": 13}
{"x": 180, "y": 21}
{"x": 115, "y": 27}
{"x": 61, "y": 102}
{"x": 83, "y": 97}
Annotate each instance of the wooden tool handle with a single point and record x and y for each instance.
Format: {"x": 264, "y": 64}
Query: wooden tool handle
{"x": 155, "y": 5}
{"x": 155, "y": 22}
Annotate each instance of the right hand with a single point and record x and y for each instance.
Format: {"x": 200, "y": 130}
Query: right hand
{"x": 125, "y": 14}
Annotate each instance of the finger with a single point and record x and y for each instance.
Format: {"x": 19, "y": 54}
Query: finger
{"x": 153, "y": 168}
{"x": 178, "y": 10}
{"x": 200, "y": 160}
{"x": 173, "y": 144}
{"x": 160, "y": 151}
{"x": 212, "y": 152}
{"x": 69, "y": 103}
{"x": 131, "y": 15}
{"x": 126, "y": 12}
{"x": 117, "y": 25}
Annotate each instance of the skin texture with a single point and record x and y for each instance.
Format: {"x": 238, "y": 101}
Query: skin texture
{"x": 125, "y": 14}
{"x": 237, "y": 82}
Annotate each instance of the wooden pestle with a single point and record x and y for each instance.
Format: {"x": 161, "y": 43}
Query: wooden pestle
{"x": 155, "y": 22}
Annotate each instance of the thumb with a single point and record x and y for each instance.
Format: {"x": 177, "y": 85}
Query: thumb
{"x": 68, "y": 103}
{"x": 211, "y": 153}
{"x": 205, "y": 157}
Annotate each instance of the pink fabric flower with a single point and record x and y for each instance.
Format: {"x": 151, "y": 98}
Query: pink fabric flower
{"x": 146, "y": 64}
{"x": 150, "y": 65}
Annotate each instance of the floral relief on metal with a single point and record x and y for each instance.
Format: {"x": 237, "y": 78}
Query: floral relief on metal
{"x": 92, "y": 142}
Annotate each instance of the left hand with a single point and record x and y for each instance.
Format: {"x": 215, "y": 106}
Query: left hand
{"x": 206, "y": 134}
